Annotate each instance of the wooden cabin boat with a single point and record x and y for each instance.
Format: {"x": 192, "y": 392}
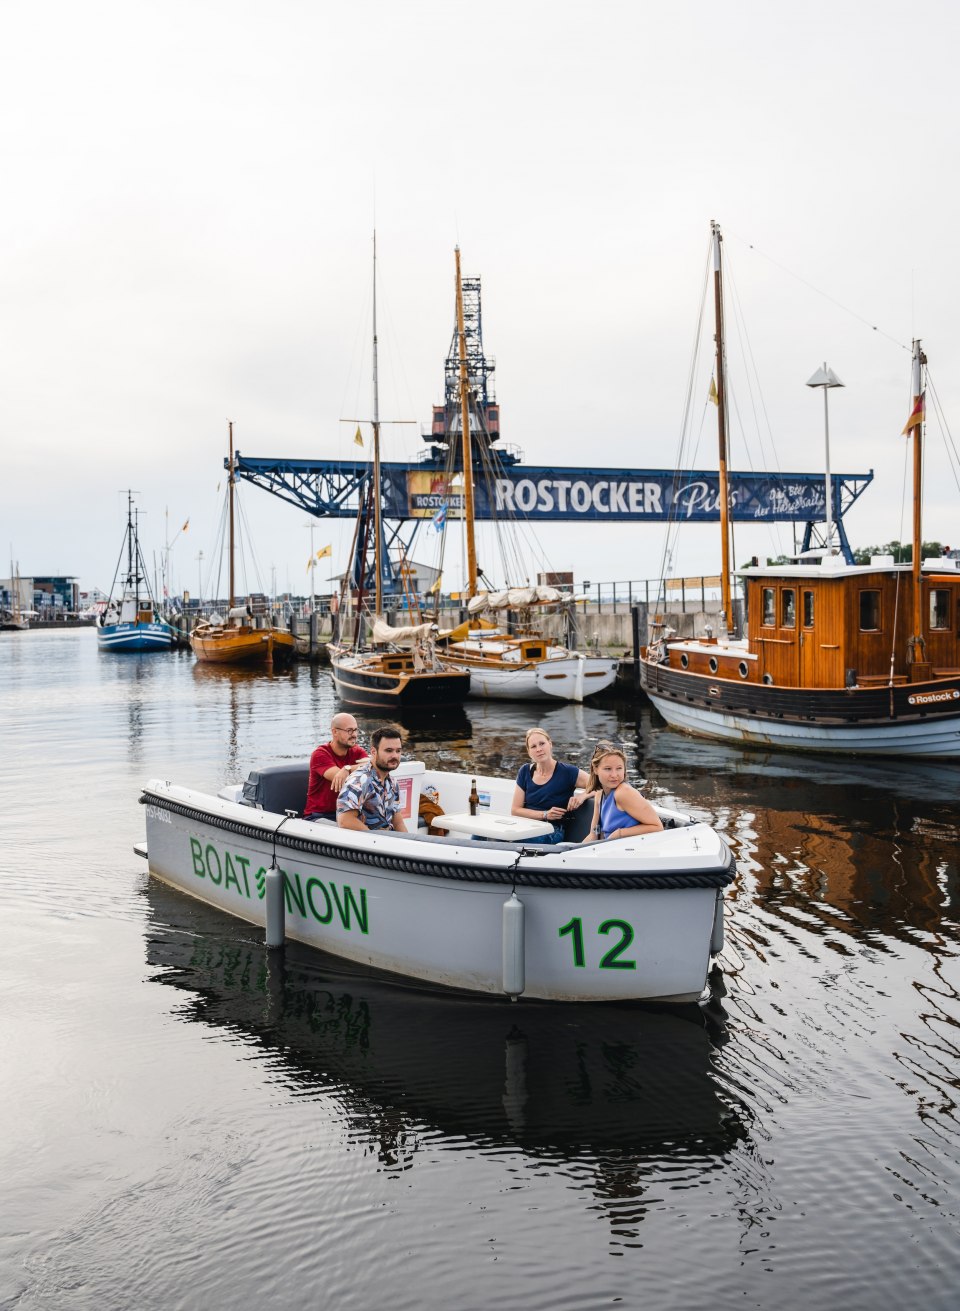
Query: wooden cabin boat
{"x": 609, "y": 921}
{"x": 814, "y": 672}
{"x": 837, "y": 656}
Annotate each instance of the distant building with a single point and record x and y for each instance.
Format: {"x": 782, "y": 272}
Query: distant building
{"x": 55, "y": 592}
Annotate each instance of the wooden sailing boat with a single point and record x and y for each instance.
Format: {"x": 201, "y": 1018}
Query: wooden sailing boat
{"x": 130, "y": 621}
{"x": 238, "y": 641}
{"x": 836, "y": 657}
{"x": 524, "y": 664}
{"x": 405, "y": 672}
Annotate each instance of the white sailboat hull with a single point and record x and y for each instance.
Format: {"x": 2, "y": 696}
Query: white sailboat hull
{"x": 934, "y": 737}
{"x": 569, "y": 679}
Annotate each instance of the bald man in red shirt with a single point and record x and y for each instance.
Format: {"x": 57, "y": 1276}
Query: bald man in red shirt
{"x": 330, "y": 767}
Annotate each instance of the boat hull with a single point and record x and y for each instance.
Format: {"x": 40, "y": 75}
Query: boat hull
{"x": 596, "y": 926}
{"x": 244, "y": 646}
{"x": 570, "y": 679}
{"x": 135, "y": 637}
{"x": 909, "y": 719}
{"x": 376, "y": 689}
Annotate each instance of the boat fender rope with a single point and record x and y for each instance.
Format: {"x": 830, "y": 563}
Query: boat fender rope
{"x": 707, "y": 878}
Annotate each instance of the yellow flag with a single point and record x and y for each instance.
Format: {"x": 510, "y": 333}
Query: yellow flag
{"x": 358, "y": 437}
{"x": 436, "y": 585}
{"x": 713, "y": 394}
{"x": 324, "y": 550}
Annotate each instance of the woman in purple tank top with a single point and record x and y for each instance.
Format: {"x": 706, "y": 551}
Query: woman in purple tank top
{"x": 619, "y": 811}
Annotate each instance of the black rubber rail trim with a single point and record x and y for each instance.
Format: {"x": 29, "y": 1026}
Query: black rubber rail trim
{"x": 463, "y": 873}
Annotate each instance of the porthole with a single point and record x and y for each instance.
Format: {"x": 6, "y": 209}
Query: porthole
{"x": 768, "y": 679}
{"x": 684, "y": 661}
{"x": 742, "y": 669}
{"x": 714, "y": 664}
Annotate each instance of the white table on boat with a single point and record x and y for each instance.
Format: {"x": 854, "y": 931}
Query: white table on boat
{"x": 508, "y": 828}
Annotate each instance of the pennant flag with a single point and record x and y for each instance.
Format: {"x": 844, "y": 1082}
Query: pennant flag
{"x": 713, "y": 394}
{"x": 358, "y": 437}
{"x": 440, "y": 519}
{"x": 916, "y": 415}
{"x": 324, "y": 550}
{"x": 185, "y": 526}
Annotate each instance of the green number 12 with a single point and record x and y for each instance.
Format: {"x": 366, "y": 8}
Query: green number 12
{"x": 611, "y": 960}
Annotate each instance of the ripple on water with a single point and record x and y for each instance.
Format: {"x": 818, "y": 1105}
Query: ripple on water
{"x": 198, "y": 1124}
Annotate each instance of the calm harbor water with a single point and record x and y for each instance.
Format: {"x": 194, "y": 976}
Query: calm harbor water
{"x": 188, "y": 1125}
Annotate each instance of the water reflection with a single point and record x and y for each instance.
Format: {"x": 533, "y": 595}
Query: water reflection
{"x": 609, "y": 1090}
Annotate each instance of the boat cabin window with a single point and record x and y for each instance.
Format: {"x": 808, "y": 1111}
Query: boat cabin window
{"x": 769, "y": 607}
{"x": 939, "y": 608}
{"x": 869, "y": 612}
{"x": 534, "y": 652}
{"x": 788, "y": 608}
{"x": 808, "y": 609}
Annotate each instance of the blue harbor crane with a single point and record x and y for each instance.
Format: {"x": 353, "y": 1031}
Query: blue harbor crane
{"x": 413, "y": 493}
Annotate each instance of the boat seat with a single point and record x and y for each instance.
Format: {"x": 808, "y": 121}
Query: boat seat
{"x": 278, "y": 787}
{"x": 576, "y": 826}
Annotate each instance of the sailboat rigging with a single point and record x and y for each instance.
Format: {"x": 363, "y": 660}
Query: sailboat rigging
{"x": 405, "y": 672}
{"x": 836, "y": 657}
{"x": 526, "y": 663}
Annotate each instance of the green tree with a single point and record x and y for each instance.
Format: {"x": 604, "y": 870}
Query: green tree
{"x": 902, "y": 552}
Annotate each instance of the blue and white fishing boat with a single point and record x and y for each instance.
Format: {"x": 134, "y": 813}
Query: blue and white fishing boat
{"x": 130, "y": 621}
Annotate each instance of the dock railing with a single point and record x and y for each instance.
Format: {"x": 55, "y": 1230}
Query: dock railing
{"x": 691, "y": 593}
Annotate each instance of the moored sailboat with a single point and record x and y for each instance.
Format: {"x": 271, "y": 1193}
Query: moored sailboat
{"x": 130, "y": 621}
{"x": 525, "y": 663}
{"x": 837, "y": 657}
{"x": 238, "y": 640}
{"x": 402, "y": 671}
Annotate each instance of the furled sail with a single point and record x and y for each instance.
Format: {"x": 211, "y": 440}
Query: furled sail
{"x": 516, "y": 598}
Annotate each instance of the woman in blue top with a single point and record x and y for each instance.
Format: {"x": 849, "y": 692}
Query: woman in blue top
{"x": 619, "y": 811}
{"x": 545, "y": 787}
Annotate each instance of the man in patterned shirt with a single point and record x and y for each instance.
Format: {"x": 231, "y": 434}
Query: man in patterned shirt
{"x": 370, "y": 798}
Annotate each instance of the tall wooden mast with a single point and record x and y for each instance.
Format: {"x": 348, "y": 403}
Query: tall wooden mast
{"x": 726, "y": 601}
{"x": 378, "y": 603}
{"x": 466, "y": 446}
{"x": 917, "y": 645}
{"x": 230, "y": 478}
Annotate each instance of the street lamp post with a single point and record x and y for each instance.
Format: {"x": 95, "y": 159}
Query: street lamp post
{"x": 826, "y": 378}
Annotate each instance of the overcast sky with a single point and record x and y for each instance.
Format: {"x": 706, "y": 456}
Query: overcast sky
{"x": 189, "y": 195}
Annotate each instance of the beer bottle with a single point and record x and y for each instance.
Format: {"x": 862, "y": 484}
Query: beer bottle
{"x": 474, "y": 797}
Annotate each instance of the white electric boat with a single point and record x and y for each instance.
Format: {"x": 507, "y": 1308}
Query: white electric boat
{"x": 633, "y": 919}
